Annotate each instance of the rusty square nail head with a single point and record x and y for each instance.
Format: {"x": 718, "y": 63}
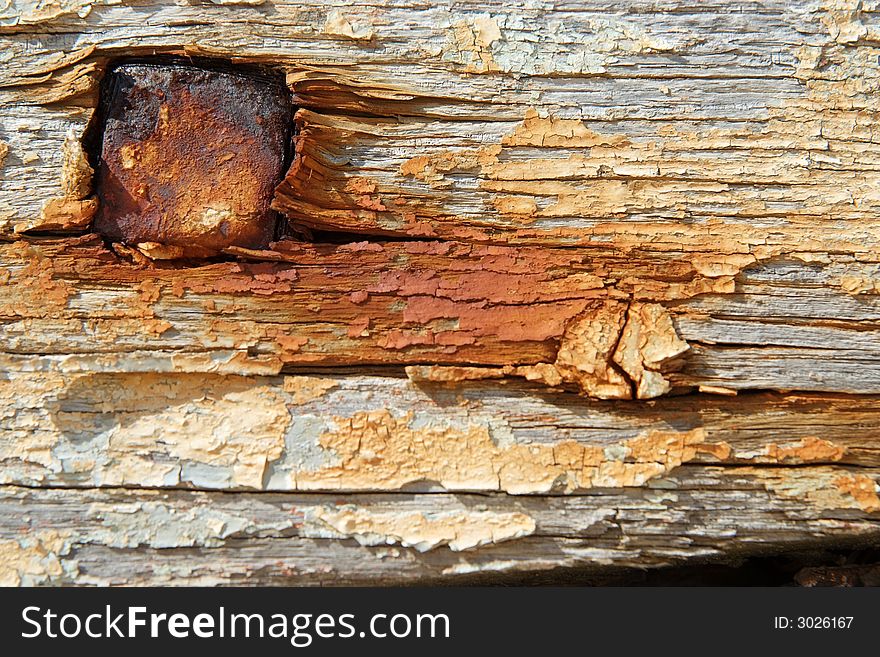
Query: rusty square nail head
{"x": 190, "y": 157}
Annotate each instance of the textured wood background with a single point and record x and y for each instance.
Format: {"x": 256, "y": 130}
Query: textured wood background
{"x": 591, "y": 286}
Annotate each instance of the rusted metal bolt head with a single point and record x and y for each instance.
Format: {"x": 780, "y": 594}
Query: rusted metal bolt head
{"x": 190, "y": 158}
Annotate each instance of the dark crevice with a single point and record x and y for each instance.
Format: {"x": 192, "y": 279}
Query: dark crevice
{"x": 846, "y": 563}
{"x": 349, "y": 237}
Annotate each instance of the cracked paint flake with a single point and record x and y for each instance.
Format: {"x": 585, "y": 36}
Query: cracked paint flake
{"x": 615, "y": 351}
{"x": 35, "y": 559}
{"x": 647, "y": 345}
{"x": 424, "y": 531}
{"x": 337, "y": 24}
{"x": 237, "y": 447}
{"x": 377, "y": 450}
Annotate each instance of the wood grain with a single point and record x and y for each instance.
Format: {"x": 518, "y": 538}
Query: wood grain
{"x": 567, "y": 288}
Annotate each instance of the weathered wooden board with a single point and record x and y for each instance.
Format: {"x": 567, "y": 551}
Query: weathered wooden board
{"x": 579, "y": 285}
{"x": 119, "y": 536}
{"x": 378, "y": 433}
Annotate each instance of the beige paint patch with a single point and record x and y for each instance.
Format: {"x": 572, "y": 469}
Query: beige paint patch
{"x": 807, "y": 450}
{"x": 459, "y": 530}
{"x": 431, "y": 168}
{"x": 455, "y": 373}
{"x": 240, "y": 431}
{"x": 551, "y": 132}
{"x": 856, "y": 285}
{"x": 338, "y": 25}
{"x": 717, "y": 390}
{"x": 377, "y": 450}
{"x": 826, "y": 488}
{"x": 34, "y": 559}
{"x": 305, "y": 389}
{"x": 23, "y": 440}
{"x": 715, "y": 265}
{"x": 157, "y": 251}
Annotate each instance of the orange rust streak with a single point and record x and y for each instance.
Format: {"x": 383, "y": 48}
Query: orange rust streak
{"x": 399, "y": 302}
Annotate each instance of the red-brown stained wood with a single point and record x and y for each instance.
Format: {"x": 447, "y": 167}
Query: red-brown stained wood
{"x": 400, "y": 303}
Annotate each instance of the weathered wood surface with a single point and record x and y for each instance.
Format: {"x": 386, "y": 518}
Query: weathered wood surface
{"x": 571, "y": 234}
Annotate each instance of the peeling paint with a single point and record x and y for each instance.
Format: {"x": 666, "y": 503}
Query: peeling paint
{"x": 862, "y": 489}
{"x": 305, "y": 389}
{"x": 484, "y": 43}
{"x": 76, "y": 172}
{"x": 160, "y": 525}
{"x": 35, "y": 559}
{"x": 856, "y": 285}
{"x": 338, "y": 25}
{"x": 73, "y": 210}
{"x": 639, "y": 338}
{"x": 459, "y": 530}
{"x": 807, "y": 450}
{"x": 215, "y": 433}
{"x": 379, "y": 451}
{"x": 61, "y": 215}
{"x": 659, "y": 194}
{"x": 32, "y": 12}
{"x": 826, "y": 488}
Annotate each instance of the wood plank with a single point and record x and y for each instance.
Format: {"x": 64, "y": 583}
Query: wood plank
{"x": 441, "y": 303}
{"x": 600, "y": 128}
{"x": 376, "y": 433}
{"x": 701, "y": 514}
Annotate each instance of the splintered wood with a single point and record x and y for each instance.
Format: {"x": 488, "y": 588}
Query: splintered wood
{"x": 559, "y": 290}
